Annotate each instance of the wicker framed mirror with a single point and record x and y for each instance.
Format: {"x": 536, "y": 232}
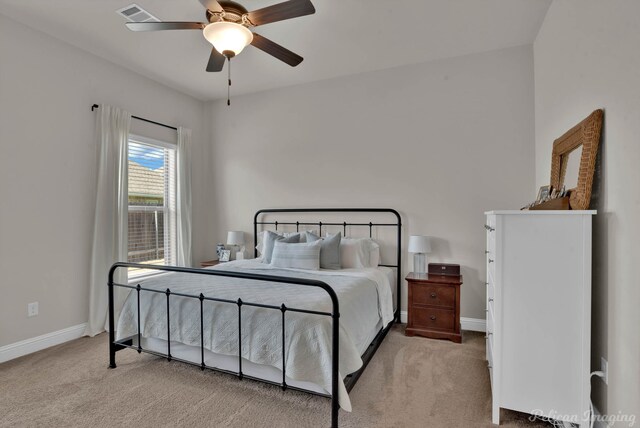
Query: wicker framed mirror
{"x": 585, "y": 135}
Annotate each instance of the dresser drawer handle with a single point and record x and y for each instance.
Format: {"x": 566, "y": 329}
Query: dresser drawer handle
{"x": 486, "y": 251}
{"x": 488, "y": 334}
{"x": 491, "y": 260}
{"x": 489, "y": 228}
{"x": 491, "y": 367}
{"x": 491, "y": 300}
{"x": 433, "y": 317}
{"x": 433, "y": 295}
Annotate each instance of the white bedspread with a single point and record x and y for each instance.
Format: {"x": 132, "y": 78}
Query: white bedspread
{"x": 364, "y": 295}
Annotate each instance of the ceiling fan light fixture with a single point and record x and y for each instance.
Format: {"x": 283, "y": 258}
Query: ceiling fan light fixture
{"x": 228, "y": 37}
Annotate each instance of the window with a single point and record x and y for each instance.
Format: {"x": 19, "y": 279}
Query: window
{"x": 152, "y": 204}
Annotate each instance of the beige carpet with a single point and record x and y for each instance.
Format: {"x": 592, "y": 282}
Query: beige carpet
{"x": 411, "y": 382}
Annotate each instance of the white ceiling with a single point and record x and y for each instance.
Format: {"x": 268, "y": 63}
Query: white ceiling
{"x": 343, "y": 37}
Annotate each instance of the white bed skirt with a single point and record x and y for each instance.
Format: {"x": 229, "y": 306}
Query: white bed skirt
{"x": 261, "y": 371}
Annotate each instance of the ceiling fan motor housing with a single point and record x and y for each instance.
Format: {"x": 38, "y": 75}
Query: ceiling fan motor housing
{"x": 232, "y": 12}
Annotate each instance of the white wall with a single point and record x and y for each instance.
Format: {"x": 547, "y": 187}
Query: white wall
{"x": 587, "y": 57}
{"x": 441, "y": 142}
{"x": 48, "y": 174}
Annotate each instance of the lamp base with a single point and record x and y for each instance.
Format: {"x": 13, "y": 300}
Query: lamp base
{"x": 240, "y": 254}
{"x": 419, "y": 263}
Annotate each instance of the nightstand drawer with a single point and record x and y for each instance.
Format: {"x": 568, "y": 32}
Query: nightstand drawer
{"x": 434, "y": 295}
{"x": 433, "y": 318}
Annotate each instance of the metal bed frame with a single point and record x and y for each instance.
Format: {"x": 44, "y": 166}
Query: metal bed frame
{"x": 349, "y": 381}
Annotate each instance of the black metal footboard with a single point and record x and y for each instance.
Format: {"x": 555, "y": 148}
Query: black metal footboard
{"x": 350, "y": 380}
{"x": 124, "y": 343}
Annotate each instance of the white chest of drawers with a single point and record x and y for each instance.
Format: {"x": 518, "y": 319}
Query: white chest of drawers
{"x": 539, "y": 312}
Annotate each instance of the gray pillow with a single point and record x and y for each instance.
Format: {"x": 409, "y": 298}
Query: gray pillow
{"x": 296, "y": 256}
{"x": 270, "y": 239}
{"x": 329, "y": 250}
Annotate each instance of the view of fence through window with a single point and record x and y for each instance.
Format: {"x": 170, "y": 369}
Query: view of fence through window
{"x": 151, "y": 205}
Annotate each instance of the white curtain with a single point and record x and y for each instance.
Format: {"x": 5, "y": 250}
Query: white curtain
{"x": 110, "y": 227}
{"x": 183, "y": 215}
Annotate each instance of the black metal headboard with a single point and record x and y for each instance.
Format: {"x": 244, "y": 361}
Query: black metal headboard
{"x": 344, "y": 224}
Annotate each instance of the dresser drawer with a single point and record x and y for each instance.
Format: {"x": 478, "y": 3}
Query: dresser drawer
{"x": 433, "y": 318}
{"x": 434, "y": 295}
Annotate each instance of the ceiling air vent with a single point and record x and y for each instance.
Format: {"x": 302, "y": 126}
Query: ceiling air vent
{"x": 135, "y": 13}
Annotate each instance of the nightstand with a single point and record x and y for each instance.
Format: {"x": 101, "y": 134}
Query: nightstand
{"x": 209, "y": 263}
{"x": 434, "y": 306}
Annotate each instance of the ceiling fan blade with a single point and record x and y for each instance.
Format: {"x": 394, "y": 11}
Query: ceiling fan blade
{"x": 216, "y": 61}
{"x": 212, "y": 5}
{"x": 276, "y": 50}
{"x": 158, "y": 26}
{"x": 280, "y": 12}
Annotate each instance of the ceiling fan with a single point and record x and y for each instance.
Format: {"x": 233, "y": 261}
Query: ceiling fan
{"x": 227, "y": 29}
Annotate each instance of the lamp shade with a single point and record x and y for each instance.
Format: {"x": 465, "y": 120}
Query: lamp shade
{"x": 228, "y": 36}
{"x": 419, "y": 244}
{"x": 235, "y": 238}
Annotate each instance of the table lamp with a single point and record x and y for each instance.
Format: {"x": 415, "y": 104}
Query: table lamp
{"x": 419, "y": 246}
{"x": 236, "y": 238}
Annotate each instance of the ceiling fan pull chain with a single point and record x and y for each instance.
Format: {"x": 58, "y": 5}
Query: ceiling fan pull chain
{"x": 229, "y": 85}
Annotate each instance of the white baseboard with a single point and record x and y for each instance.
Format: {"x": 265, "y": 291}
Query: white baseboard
{"x": 469, "y": 324}
{"x": 29, "y": 346}
{"x": 473, "y": 324}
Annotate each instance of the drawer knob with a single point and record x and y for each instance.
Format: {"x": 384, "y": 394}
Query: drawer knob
{"x": 490, "y": 299}
{"x": 491, "y": 260}
{"x": 486, "y": 251}
{"x": 489, "y": 228}
{"x": 433, "y": 295}
{"x": 433, "y": 317}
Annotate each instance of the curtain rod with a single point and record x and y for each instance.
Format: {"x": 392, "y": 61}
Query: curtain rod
{"x": 95, "y": 106}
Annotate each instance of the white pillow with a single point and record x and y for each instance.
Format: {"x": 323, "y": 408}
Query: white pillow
{"x": 354, "y": 253}
{"x": 374, "y": 253}
{"x": 358, "y": 253}
{"x": 296, "y": 256}
{"x": 260, "y": 246}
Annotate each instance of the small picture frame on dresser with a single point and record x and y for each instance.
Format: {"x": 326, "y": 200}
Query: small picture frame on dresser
{"x": 225, "y": 255}
{"x": 543, "y": 193}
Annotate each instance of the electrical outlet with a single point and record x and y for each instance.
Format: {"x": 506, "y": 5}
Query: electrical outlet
{"x": 32, "y": 309}
{"x": 604, "y": 367}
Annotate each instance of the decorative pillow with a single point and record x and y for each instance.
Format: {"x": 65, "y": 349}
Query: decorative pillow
{"x": 290, "y": 234}
{"x": 354, "y": 253}
{"x": 296, "y": 256}
{"x": 261, "y": 238}
{"x": 329, "y": 250}
{"x": 270, "y": 239}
